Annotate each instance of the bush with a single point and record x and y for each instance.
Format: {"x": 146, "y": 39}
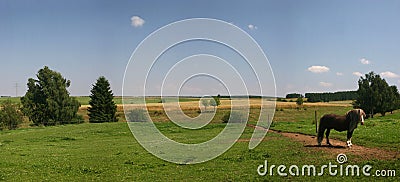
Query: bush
{"x": 137, "y": 115}
{"x": 10, "y": 115}
{"x": 235, "y": 117}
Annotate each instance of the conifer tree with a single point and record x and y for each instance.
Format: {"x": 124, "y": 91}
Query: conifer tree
{"x": 47, "y": 101}
{"x": 102, "y": 107}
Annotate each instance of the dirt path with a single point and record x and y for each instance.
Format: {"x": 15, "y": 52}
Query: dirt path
{"x": 337, "y": 146}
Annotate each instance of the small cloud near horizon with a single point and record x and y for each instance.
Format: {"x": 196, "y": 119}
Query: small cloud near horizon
{"x": 252, "y": 27}
{"x": 388, "y": 74}
{"x": 339, "y": 74}
{"x": 357, "y": 74}
{"x": 318, "y": 69}
{"x": 137, "y": 21}
{"x": 365, "y": 61}
{"x": 325, "y": 84}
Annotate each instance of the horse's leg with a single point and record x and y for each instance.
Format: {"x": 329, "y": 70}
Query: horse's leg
{"x": 349, "y": 135}
{"x": 320, "y": 137}
{"x": 328, "y": 131}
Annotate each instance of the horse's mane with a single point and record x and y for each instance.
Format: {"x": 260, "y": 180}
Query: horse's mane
{"x": 353, "y": 117}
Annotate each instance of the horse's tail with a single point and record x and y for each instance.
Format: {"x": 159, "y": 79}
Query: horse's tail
{"x": 321, "y": 130}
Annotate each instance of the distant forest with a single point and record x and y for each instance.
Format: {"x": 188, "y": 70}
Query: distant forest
{"x": 326, "y": 96}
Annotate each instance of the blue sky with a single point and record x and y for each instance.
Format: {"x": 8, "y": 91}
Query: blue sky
{"x": 312, "y": 45}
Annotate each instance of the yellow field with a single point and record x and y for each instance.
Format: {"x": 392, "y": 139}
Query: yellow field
{"x": 225, "y": 104}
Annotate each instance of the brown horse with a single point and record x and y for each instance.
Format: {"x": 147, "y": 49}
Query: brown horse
{"x": 347, "y": 123}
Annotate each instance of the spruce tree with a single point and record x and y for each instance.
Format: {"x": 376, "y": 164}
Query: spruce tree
{"x": 102, "y": 107}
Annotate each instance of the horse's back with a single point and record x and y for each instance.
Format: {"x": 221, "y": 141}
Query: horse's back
{"x": 333, "y": 121}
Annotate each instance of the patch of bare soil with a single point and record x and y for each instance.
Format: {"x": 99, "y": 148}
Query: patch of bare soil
{"x": 338, "y": 146}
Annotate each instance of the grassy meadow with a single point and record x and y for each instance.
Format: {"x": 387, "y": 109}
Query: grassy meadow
{"x": 109, "y": 152}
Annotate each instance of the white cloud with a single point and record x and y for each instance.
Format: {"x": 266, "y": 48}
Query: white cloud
{"x": 136, "y": 21}
{"x": 365, "y": 61}
{"x": 339, "y": 74}
{"x": 357, "y": 74}
{"x": 252, "y": 27}
{"x": 388, "y": 74}
{"x": 318, "y": 69}
{"x": 325, "y": 84}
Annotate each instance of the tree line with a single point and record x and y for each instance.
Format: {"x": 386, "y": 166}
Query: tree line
{"x": 329, "y": 96}
{"x": 48, "y": 102}
{"x": 325, "y": 96}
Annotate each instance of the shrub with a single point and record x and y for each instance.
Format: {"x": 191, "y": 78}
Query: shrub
{"x": 215, "y": 102}
{"x": 234, "y": 117}
{"x": 137, "y": 115}
{"x": 10, "y": 115}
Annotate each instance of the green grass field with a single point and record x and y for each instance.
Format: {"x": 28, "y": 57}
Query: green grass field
{"x": 109, "y": 152}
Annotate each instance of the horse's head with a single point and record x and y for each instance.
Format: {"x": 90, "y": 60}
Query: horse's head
{"x": 355, "y": 116}
{"x": 362, "y": 114}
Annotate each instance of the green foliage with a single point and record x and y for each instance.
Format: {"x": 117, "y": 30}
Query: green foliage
{"x": 299, "y": 101}
{"x": 47, "y": 101}
{"x": 10, "y": 115}
{"x": 102, "y": 107}
{"x": 215, "y": 102}
{"x": 395, "y": 103}
{"x": 376, "y": 96}
{"x": 234, "y": 117}
{"x": 293, "y": 95}
{"x": 327, "y": 96}
{"x": 205, "y": 102}
{"x": 138, "y": 115}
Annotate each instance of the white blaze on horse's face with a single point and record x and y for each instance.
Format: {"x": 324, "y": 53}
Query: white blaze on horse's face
{"x": 362, "y": 119}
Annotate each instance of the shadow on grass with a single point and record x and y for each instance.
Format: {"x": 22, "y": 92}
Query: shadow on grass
{"x": 326, "y": 146}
